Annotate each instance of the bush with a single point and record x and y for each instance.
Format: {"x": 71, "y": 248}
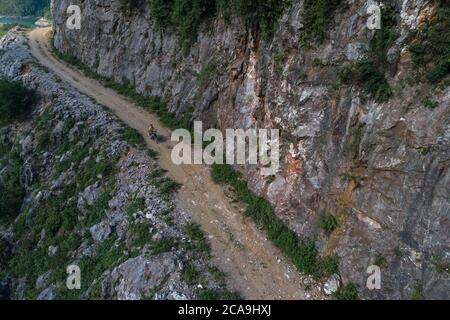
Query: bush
{"x": 302, "y": 252}
{"x": 431, "y": 50}
{"x": 11, "y": 190}
{"x": 190, "y": 273}
{"x": 348, "y": 292}
{"x": 198, "y": 242}
{"x": 15, "y": 101}
{"x": 318, "y": 16}
{"x": 329, "y": 223}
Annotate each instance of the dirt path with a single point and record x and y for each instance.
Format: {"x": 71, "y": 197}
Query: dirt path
{"x": 255, "y": 268}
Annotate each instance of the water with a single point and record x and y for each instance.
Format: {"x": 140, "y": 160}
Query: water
{"x": 28, "y": 22}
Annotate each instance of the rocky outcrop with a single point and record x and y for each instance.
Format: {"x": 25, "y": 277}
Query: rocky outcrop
{"x": 88, "y": 202}
{"x": 389, "y": 191}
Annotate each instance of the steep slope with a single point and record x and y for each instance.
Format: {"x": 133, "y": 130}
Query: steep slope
{"x": 90, "y": 194}
{"x": 364, "y": 117}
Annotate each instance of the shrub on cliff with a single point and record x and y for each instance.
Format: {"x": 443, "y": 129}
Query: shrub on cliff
{"x": 15, "y": 101}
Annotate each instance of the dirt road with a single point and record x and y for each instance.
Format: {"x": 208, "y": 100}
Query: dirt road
{"x": 255, "y": 268}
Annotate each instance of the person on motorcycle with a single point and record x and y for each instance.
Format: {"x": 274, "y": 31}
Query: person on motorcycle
{"x": 152, "y": 132}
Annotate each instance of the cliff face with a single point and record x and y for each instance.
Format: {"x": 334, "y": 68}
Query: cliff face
{"x": 372, "y": 152}
{"x": 92, "y": 197}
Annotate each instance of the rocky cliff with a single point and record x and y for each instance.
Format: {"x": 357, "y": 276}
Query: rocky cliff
{"x": 364, "y": 117}
{"x": 89, "y": 195}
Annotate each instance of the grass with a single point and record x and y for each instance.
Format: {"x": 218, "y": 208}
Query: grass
{"x": 318, "y": 16}
{"x": 198, "y": 242}
{"x": 190, "y": 274}
{"x": 15, "y": 101}
{"x": 417, "y": 290}
{"x": 347, "y": 292}
{"x": 329, "y": 223}
{"x": 381, "y": 261}
{"x": 216, "y": 294}
{"x": 369, "y": 72}
{"x": 431, "y": 48}
{"x": 355, "y": 145}
{"x": 135, "y": 205}
{"x": 208, "y": 72}
{"x": 302, "y": 252}
{"x": 133, "y": 137}
{"x": 11, "y": 190}
{"x": 166, "y": 186}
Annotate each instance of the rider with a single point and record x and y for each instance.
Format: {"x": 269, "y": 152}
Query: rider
{"x": 152, "y": 132}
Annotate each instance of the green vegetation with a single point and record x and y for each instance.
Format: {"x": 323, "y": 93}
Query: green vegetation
{"x": 381, "y": 261}
{"x": 431, "y": 50}
{"x": 440, "y": 264}
{"x": 329, "y": 223}
{"x": 207, "y": 73}
{"x": 190, "y": 273}
{"x": 5, "y": 27}
{"x": 11, "y": 190}
{"x": 318, "y": 16}
{"x": 429, "y": 103}
{"x": 24, "y": 7}
{"x": 216, "y": 294}
{"x": 369, "y": 72}
{"x": 15, "y": 101}
{"x": 302, "y": 252}
{"x": 357, "y": 135}
{"x": 347, "y": 292}
{"x": 417, "y": 290}
{"x": 133, "y": 137}
{"x": 167, "y": 187}
{"x": 186, "y": 17}
{"x": 197, "y": 240}
{"x": 260, "y": 15}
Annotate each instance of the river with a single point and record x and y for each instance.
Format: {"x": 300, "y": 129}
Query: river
{"x": 29, "y": 22}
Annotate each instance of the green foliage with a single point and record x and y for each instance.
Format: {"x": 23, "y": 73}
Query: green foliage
{"x": 216, "y": 294}
{"x": 11, "y": 190}
{"x": 141, "y": 234}
{"x": 347, "y": 292}
{"x": 417, "y": 290}
{"x": 190, "y": 273}
{"x": 5, "y": 27}
{"x": 431, "y": 50}
{"x": 187, "y": 16}
{"x": 15, "y": 101}
{"x": 198, "y": 242}
{"x": 261, "y": 15}
{"x": 108, "y": 254}
{"x": 133, "y": 137}
{"x": 23, "y": 7}
{"x": 167, "y": 187}
{"x": 135, "y": 205}
{"x": 161, "y": 11}
{"x": 163, "y": 245}
{"x": 302, "y": 252}
{"x": 329, "y": 223}
{"x": 369, "y": 72}
{"x": 318, "y": 16}
{"x": 128, "y": 6}
{"x": 429, "y": 103}
{"x": 440, "y": 264}
{"x": 208, "y": 72}
{"x": 372, "y": 80}
{"x": 381, "y": 261}
{"x": 357, "y": 135}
